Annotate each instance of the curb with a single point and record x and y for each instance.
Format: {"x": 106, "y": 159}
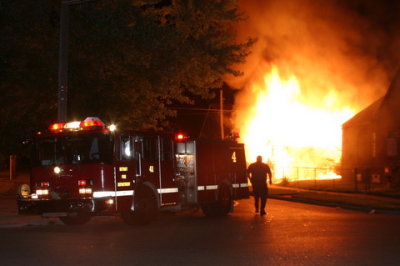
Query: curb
{"x": 353, "y": 207}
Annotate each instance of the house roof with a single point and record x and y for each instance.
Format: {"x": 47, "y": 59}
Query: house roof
{"x": 393, "y": 93}
{"x": 391, "y": 100}
{"x": 366, "y": 116}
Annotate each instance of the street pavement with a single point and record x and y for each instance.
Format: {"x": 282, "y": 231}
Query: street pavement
{"x": 290, "y": 234}
{"x": 355, "y": 201}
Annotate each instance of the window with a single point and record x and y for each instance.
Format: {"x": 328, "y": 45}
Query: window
{"x": 391, "y": 147}
{"x": 185, "y": 147}
{"x": 126, "y": 148}
{"x": 150, "y": 149}
{"x": 76, "y": 149}
{"x": 166, "y": 149}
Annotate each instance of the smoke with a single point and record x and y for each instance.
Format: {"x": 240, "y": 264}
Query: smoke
{"x": 328, "y": 45}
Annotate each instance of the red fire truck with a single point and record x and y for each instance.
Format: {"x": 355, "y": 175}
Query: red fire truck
{"x": 82, "y": 169}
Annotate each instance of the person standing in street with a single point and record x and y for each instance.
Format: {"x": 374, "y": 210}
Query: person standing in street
{"x": 258, "y": 173}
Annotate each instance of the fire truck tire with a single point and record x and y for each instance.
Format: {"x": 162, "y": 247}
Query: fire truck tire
{"x": 146, "y": 209}
{"x": 222, "y": 206}
{"x": 79, "y": 219}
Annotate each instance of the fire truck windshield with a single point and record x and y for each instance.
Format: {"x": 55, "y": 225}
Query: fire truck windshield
{"x": 76, "y": 149}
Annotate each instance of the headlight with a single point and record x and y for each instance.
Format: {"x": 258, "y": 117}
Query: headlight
{"x": 41, "y": 192}
{"x": 85, "y": 190}
{"x": 57, "y": 170}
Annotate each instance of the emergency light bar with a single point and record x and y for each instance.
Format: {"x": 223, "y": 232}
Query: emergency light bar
{"x": 181, "y": 137}
{"x": 72, "y": 125}
{"x": 89, "y": 123}
{"x": 56, "y": 127}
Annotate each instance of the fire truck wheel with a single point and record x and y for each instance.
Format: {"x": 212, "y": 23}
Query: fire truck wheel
{"x": 145, "y": 208}
{"x": 79, "y": 219}
{"x": 222, "y": 206}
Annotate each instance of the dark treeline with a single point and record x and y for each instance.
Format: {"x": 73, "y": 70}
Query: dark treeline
{"x": 128, "y": 61}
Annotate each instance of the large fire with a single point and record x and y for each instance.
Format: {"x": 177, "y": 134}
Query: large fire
{"x": 298, "y": 135}
{"x": 312, "y": 68}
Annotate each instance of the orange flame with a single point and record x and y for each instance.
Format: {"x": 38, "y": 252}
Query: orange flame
{"x": 296, "y": 134}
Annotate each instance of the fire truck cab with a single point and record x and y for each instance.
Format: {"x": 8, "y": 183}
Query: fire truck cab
{"x": 82, "y": 169}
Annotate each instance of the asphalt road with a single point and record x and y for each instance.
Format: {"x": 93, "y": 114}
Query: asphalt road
{"x": 290, "y": 234}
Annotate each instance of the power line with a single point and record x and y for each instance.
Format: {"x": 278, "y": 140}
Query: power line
{"x": 201, "y": 109}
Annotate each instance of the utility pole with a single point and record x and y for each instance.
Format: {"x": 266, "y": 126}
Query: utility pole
{"x": 221, "y": 113}
{"x": 63, "y": 62}
{"x": 63, "y": 58}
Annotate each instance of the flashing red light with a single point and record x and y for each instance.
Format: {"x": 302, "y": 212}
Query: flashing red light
{"x": 44, "y": 184}
{"x": 234, "y": 135}
{"x": 56, "y": 127}
{"x": 90, "y": 123}
{"x": 180, "y": 136}
{"x": 82, "y": 182}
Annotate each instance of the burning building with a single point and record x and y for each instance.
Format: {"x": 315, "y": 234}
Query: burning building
{"x": 304, "y": 79}
{"x": 299, "y": 136}
{"x": 371, "y": 140}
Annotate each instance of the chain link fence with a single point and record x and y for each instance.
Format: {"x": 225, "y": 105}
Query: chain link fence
{"x": 333, "y": 179}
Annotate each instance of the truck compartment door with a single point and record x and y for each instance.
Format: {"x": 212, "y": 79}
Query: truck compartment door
{"x": 186, "y": 175}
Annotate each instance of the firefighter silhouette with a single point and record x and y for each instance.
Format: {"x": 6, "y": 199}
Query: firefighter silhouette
{"x": 258, "y": 173}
